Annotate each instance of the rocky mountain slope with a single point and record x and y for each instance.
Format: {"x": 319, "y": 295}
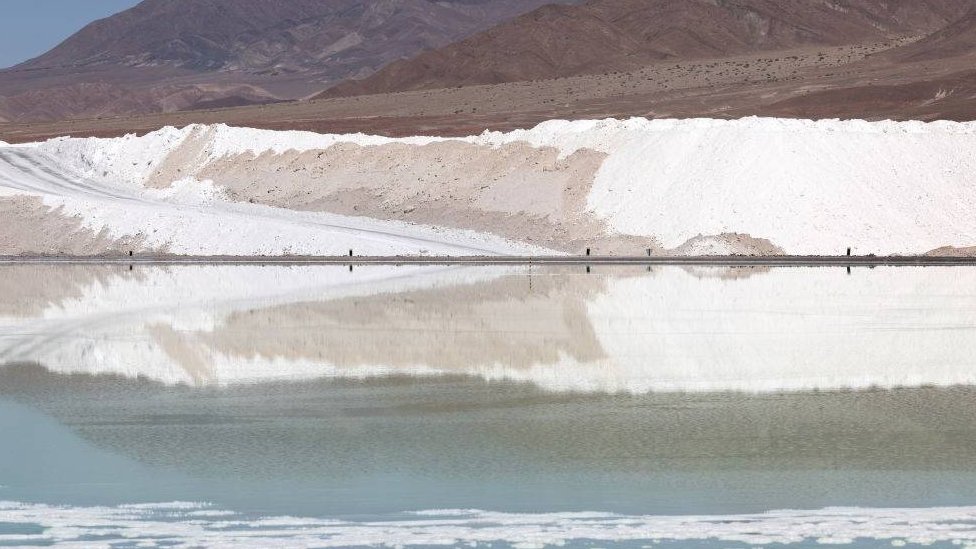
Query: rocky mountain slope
{"x": 926, "y": 74}
{"x": 621, "y": 35}
{"x": 165, "y": 55}
{"x": 932, "y": 78}
{"x": 955, "y": 40}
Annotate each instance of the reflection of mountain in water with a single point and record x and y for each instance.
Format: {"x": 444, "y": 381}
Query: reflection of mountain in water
{"x": 613, "y": 330}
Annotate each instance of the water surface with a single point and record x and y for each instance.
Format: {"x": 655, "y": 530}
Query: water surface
{"x": 620, "y": 406}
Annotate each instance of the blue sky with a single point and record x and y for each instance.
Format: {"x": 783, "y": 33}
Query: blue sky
{"x": 29, "y": 28}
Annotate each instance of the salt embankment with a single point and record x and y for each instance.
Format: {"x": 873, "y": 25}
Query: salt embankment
{"x": 691, "y": 187}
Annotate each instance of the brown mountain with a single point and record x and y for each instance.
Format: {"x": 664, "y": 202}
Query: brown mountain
{"x": 622, "y": 35}
{"x": 932, "y": 78}
{"x": 955, "y": 40}
{"x": 919, "y": 77}
{"x": 165, "y": 55}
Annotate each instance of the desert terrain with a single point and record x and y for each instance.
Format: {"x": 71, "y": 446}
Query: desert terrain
{"x": 835, "y": 82}
{"x": 178, "y": 55}
{"x": 861, "y": 59}
{"x": 488, "y": 273}
{"x": 513, "y": 141}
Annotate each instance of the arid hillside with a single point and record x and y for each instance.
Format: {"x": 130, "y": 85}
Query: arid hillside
{"x": 921, "y": 76}
{"x": 601, "y": 36}
{"x": 169, "y": 55}
{"x": 929, "y": 79}
{"x": 955, "y": 40}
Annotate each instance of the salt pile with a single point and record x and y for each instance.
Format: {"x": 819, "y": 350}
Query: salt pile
{"x": 811, "y": 187}
{"x": 692, "y": 187}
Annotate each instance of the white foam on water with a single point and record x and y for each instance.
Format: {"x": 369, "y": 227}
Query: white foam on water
{"x": 183, "y": 524}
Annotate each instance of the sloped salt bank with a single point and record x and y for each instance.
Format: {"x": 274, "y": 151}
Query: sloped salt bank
{"x": 621, "y": 187}
{"x": 95, "y": 189}
{"x": 810, "y": 187}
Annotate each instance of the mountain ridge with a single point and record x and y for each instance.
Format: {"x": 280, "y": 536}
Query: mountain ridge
{"x": 282, "y": 49}
{"x": 619, "y": 35}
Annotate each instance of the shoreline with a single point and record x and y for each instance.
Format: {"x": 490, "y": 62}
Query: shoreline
{"x": 717, "y": 261}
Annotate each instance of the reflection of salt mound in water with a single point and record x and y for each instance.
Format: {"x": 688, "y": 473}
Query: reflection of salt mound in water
{"x": 787, "y": 329}
{"x": 193, "y": 524}
{"x": 144, "y": 322}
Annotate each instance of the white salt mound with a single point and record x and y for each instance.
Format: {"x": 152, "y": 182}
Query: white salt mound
{"x": 811, "y": 187}
{"x": 804, "y": 187}
{"x": 102, "y": 184}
